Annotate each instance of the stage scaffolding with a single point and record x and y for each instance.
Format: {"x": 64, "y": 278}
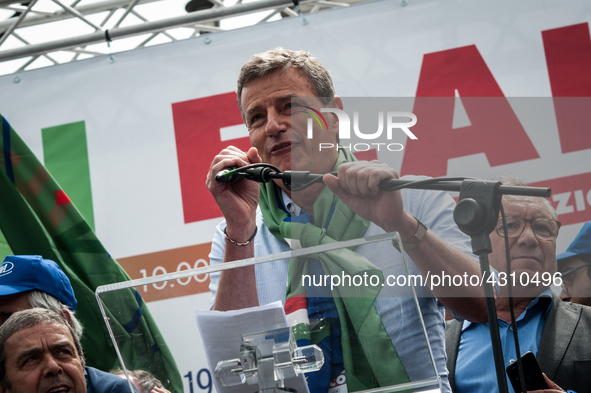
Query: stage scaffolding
{"x": 23, "y": 52}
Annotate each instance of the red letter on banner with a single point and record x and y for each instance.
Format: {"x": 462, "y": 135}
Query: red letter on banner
{"x": 571, "y": 197}
{"x": 197, "y": 128}
{"x": 494, "y": 129}
{"x": 568, "y": 55}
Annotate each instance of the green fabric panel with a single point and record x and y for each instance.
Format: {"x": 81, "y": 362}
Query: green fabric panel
{"x": 66, "y": 158}
{"x": 4, "y": 247}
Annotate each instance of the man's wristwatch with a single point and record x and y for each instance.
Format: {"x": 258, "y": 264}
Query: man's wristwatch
{"x": 415, "y": 239}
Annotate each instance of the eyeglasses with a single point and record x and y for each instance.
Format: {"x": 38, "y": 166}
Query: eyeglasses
{"x": 543, "y": 228}
{"x": 568, "y": 274}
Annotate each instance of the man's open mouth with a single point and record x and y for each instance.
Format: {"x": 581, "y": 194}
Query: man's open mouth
{"x": 280, "y": 146}
{"x": 59, "y": 389}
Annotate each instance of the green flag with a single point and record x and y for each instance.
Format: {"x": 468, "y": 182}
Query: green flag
{"x": 4, "y": 247}
{"x": 37, "y": 217}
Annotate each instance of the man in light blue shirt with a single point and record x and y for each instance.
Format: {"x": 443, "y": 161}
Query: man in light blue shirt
{"x": 540, "y": 316}
{"x": 474, "y": 370}
{"x": 266, "y": 85}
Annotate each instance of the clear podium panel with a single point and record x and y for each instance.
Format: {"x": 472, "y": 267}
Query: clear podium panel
{"x": 351, "y": 321}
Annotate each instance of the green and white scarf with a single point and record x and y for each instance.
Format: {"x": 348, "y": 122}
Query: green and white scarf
{"x": 369, "y": 357}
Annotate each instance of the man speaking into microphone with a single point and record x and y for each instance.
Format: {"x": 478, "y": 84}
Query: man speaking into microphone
{"x": 385, "y": 348}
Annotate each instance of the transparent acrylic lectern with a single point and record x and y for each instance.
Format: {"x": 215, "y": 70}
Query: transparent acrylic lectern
{"x": 254, "y": 350}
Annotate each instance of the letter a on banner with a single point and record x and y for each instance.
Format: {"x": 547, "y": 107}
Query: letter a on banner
{"x": 494, "y": 128}
{"x": 568, "y": 55}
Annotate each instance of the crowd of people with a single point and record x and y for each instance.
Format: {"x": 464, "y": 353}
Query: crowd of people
{"x": 365, "y": 343}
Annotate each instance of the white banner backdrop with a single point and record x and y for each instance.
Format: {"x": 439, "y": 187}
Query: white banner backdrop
{"x": 155, "y": 117}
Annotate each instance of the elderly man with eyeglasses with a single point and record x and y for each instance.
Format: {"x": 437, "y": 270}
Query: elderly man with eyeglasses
{"x": 556, "y": 332}
{"x": 574, "y": 266}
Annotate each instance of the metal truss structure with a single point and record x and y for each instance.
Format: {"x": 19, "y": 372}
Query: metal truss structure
{"x": 109, "y": 21}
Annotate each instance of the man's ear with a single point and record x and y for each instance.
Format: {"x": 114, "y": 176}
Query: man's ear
{"x": 67, "y": 315}
{"x": 336, "y": 102}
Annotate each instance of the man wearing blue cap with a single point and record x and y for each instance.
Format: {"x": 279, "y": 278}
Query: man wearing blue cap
{"x": 574, "y": 266}
{"x": 28, "y": 281}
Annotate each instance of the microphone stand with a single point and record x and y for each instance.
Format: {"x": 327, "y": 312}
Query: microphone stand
{"x": 476, "y": 214}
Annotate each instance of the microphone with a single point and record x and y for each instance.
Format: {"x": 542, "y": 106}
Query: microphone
{"x": 227, "y": 175}
{"x": 258, "y": 174}
{"x": 264, "y": 174}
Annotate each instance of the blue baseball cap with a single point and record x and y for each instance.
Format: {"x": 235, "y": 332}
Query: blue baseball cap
{"x": 21, "y": 273}
{"x": 581, "y": 244}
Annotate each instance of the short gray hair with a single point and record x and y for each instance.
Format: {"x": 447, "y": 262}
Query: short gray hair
{"x": 265, "y": 63}
{"x": 41, "y": 299}
{"x": 514, "y": 180}
{"x": 27, "y": 319}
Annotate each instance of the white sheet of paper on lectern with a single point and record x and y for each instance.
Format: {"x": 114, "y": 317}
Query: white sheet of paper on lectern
{"x": 222, "y": 331}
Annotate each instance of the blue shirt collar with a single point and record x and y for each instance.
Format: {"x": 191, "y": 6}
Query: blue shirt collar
{"x": 294, "y": 209}
{"x": 544, "y": 299}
